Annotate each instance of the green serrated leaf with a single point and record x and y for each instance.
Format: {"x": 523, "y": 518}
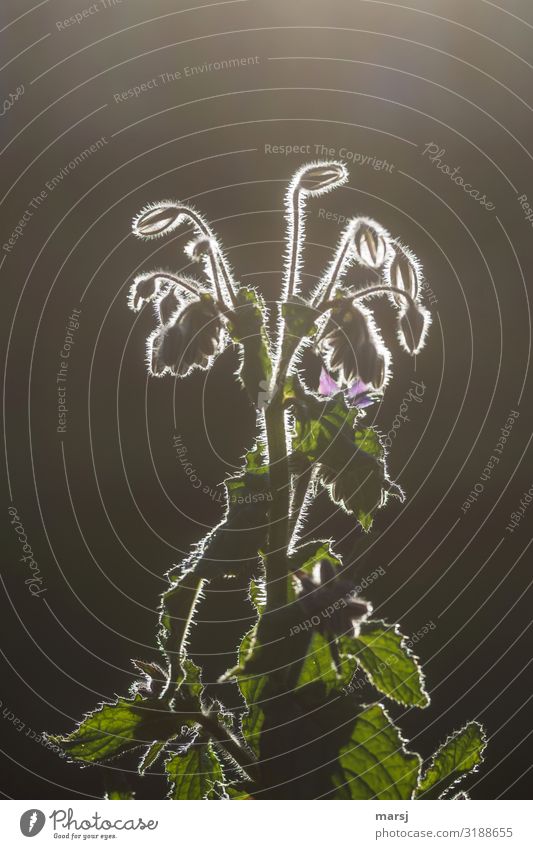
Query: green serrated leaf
{"x": 306, "y": 556}
{"x": 116, "y": 728}
{"x": 232, "y": 547}
{"x": 460, "y": 754}
{"x": 191, "y": 685}
{"x": 246, "y": 646}
{"x": 391, "y": 667}
{"x": 355, "y": 480}
{"x": 151, "y": 755}
{"x": 253, "y": 720}
{"x": 254, "y": 461}
{"x": 196, "y": 774}
{"x": 247, "y": 327}
{"x": 375, "y": 763}
{"x": 319, "y": 666}
{"x": 252, "y": 687}
{"x": 251, "y": 480}
{"x": 367, "y": 439}
{"x": 351, "y": 458}
{"x": 177, "y": 608}
{"x": 319, "y": 423}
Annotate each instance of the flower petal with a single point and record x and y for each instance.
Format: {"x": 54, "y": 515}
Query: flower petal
{"x": 327, "y": 385}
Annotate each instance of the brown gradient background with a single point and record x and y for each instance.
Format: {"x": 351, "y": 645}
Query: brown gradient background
{"x": 106, "y": 507}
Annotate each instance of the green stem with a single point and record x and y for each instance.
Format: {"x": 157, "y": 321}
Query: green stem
{"x": 278, "y": 533}
{"x": 277, "y": 571}
{"x": 220, "y": 735}
{"x": 295, "y": 244}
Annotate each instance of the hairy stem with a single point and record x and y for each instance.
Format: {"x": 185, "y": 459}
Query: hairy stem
{"x": 338, "y": 266}
{"x": 221, "y": 735}
{"x": 278, "y": 533}
{"x": 218, "y": 257}
{"x": 189, "y": 284}
{"x": 301, "y": 486}
{"x": 216, "y": 277}
{"x": 294, "y": 243}
{"x": 384, "y": 289}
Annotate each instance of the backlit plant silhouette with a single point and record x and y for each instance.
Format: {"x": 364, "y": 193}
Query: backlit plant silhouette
{"x": 301, "y": 729}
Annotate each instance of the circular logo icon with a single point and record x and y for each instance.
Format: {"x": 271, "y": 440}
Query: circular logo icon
{"x": 32, "y": 822}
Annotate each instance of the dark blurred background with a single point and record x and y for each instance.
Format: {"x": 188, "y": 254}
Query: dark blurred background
{"x": 106, "y": 506}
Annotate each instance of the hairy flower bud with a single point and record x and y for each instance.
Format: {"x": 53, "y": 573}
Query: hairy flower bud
{"x": 412, "y": 327}
{"x": 146, "y": 287}
{"x": 317, "y": 179}
{"x": 157, "y": 220}
{"x": 404, "y": 273}
{"x": 370, "y": 244}
{"x": 189, "y": 339}
{"x": 372, "y": 365}
{"x": 167, "y": 305}
{"x": 352, "y": 349}
{"x": 200, "y": 248}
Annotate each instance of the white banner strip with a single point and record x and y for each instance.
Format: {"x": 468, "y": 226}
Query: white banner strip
{"x": 271, "y": 824}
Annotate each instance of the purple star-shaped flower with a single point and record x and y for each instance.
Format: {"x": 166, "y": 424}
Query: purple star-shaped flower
{"x": 356, "y": 395}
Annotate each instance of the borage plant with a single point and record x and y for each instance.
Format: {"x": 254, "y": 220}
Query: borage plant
{"x": 302, "y": 729}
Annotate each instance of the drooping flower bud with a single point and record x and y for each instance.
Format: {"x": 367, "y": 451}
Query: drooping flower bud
{"x": 345, "y": 334}
{"x": 352, "y": 348}
{"x": 380, "y": 371}
{"x": 157, "y": 219}
{"x": 372, "y": 365}
{"x": 371, "y": 244}
{"x": 200, "y": 248}
{"x": 146, "y": 287}
{"x": 319, "y": 178}
{"x": 404, "y": 273}
{"x": 167, "y": 305}
{"x": 188, "y": 340}
{"x": 412, "y": 327}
